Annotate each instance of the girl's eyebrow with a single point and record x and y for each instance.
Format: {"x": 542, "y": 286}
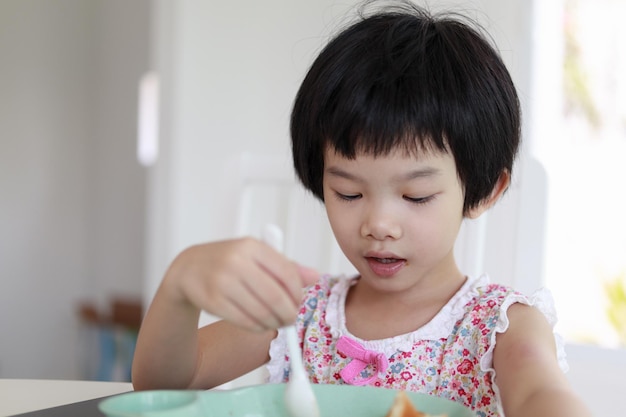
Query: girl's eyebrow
{"x": 338, "y": 172}
{"x": 411, "y": 175}
{"x": 422, "y": 173}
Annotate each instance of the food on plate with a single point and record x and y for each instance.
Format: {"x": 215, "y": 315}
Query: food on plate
{"x": 403, "y": 407}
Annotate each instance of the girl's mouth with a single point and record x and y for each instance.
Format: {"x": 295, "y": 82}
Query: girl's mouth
{"x": 385, "y": 267}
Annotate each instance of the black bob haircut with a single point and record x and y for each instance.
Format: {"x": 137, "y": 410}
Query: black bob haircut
{"x": 404, "y": 78}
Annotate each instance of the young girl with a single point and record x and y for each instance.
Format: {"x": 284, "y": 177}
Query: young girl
{"x": 406, "y": 124}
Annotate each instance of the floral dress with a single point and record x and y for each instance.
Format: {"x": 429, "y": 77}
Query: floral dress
{"x": 451, "y": 356}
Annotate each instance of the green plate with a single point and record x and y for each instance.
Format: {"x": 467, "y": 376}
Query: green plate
{"x": 267, "y": 401}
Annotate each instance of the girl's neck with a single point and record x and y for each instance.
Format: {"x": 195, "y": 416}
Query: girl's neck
{"x": 371, "y": 315}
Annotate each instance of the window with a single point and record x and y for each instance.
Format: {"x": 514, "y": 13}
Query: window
{"x": 580, "y": 139}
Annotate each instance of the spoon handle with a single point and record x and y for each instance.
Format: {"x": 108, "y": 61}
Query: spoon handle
{"x": 299, "y": 398}
{"x": 273, "y": 236}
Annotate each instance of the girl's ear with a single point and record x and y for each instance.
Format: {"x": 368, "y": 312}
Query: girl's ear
{"x": 501, "y": 186}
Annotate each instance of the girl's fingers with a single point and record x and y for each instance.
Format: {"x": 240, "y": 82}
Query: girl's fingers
{"x": 242, "y": 306}
{"x": 243, "y": 315}
{"x": 244, "y": 281}
{"x": 280, "y": 302}
{"x": 290, "y": 275}
{"x": 248, "y": 288}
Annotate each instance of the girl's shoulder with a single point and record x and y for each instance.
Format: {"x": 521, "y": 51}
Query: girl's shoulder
{"x": 487, "y": 315}
{"x": 478, "y": 298}
{"x": 328, "y": 281}
{"x": 324, "y": 289}
{"x": 486, "y": 304}
{"x": 493, "y": 300}
{"x": 487, "y": 297}
{"x": 325, "y": 283}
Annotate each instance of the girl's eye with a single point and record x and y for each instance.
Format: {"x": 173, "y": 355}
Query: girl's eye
{"x": 348, "y": 197}
{"x": 418, "y": 200}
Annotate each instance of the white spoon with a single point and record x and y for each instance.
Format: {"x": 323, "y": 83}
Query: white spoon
{"x": 299, "y": 397}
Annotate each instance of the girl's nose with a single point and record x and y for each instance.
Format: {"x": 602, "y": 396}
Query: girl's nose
{"x": 381, "y": 224}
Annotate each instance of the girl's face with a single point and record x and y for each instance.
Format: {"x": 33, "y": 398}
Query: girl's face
{"x": 396, "y": 217}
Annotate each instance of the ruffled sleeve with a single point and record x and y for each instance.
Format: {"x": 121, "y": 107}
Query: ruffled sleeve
{"x": 543, "y": 301}
{"x": 278, "y": 366}
{"x": 311, "y": 312}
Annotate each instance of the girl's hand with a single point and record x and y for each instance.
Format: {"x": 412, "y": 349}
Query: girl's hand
{"x": 243, "y": 281}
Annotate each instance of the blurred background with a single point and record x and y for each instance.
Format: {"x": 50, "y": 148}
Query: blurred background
{"x": 132, "y": 129}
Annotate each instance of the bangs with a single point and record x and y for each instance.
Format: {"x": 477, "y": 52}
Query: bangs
{"x": 410, "y": 97}
{"x": 391, "y": 115}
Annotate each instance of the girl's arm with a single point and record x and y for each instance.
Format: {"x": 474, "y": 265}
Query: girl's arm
{"x": 251, "y": 286}
{"x": 527, "y": 371}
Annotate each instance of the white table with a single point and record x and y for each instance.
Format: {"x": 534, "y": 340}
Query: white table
{"x": 25, "y": 395}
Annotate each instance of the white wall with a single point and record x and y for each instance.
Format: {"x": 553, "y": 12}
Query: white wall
{"x": 71, "y": 194}
{"x": 119, "y": 201}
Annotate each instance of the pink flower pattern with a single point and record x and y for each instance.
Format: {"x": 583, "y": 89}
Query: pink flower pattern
{"x": 447, "y": 367}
